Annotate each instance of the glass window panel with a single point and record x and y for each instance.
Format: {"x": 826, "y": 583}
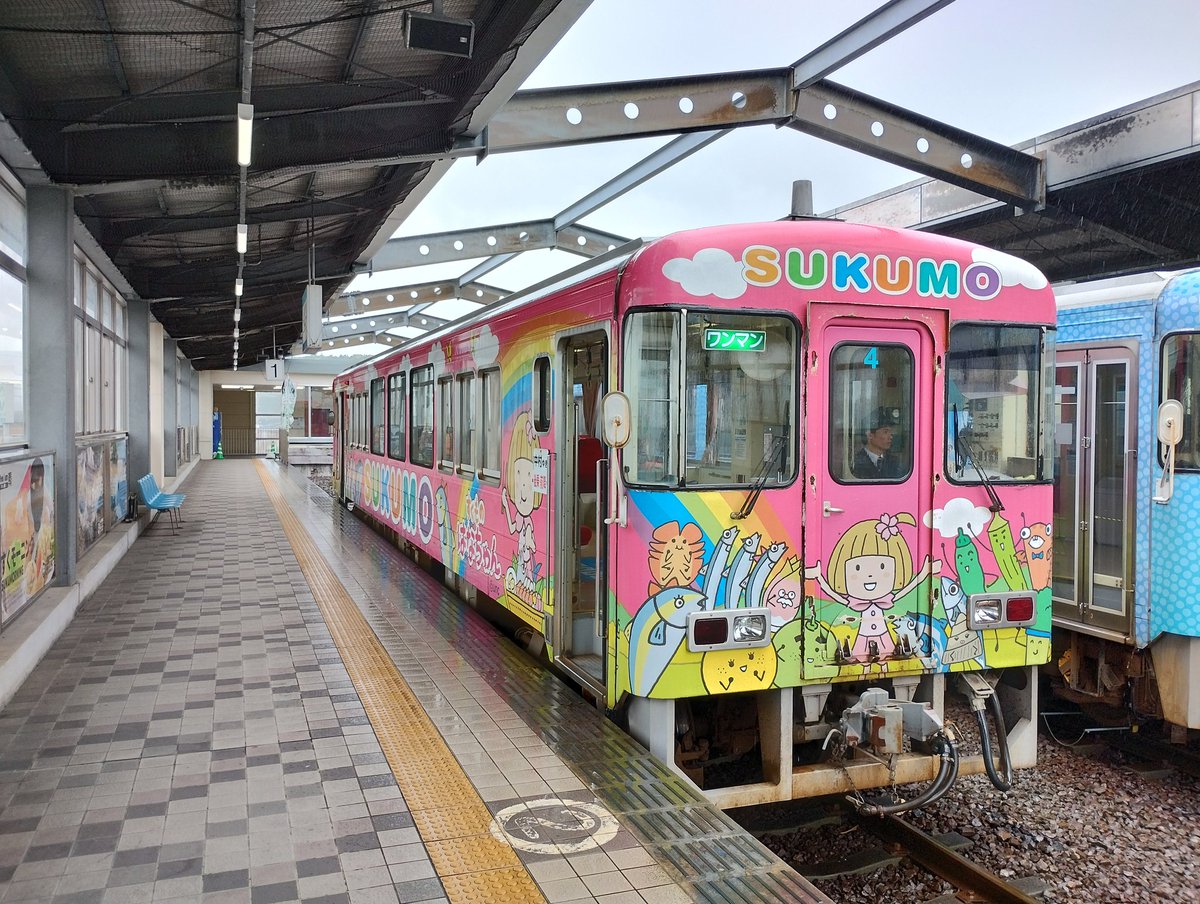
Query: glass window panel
{"x": 1181, "y": 381}
{"x": 321, "y": 410}
{"x": 421, "y": 413}
{"x": 79, "y": 277}
{"x": 652, "y": 372}
{"x": 396, "y": 411}
{"x": 80, "y": 378}
{"x": 739, "y": 392}
{"x": 108, "y": 403}
{"x": 490, "y": 453}
{"x": 378, "y": 419}
{"x": 12, "y": 360}
{"x": 1066, "y": 480}
{"x": 106, "y": 309}
{"x": 466, "y": 421}
{"x": 92, "y": 369}
{"x": 300, "y": 418}
{"x": 119, "y": 382}
{"x": 91, "y": 301}
{"x": 446, "y": 422}
{"x": 995, "y": 414}
{"x": 870, "y": 413}
{"x": 12, "y": 225}
{"x": 541, "y": 395}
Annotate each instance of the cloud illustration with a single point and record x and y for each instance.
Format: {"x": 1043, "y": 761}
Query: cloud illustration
{"x": 711, "y": 272}
{"x": 485, "y": 348}
{"x": 437, "y": 357}
{"x": 1013, "y": 270}
{"x": 959, "y": 512}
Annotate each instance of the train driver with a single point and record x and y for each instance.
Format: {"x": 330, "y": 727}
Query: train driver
{"x": 874, "y": 460}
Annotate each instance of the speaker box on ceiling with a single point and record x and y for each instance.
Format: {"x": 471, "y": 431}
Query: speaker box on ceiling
{"x": 439, "y": 34}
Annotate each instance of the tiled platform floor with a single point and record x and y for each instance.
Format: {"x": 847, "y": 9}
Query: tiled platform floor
{"x": 194, "y": 736}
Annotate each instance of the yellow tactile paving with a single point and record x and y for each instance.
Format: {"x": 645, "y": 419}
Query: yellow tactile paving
{"x": 474, "y": 867}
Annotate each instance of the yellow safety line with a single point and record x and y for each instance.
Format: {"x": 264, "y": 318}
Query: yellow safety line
{"x": 452, "y": 819}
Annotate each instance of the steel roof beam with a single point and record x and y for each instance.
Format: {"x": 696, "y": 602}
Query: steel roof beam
{"x": 464, "y": 244}
{"x": 868, "y": 32}
{"x": 412, "y": 298}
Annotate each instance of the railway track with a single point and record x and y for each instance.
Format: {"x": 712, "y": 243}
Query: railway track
{"x": 898, "y": 840}
{"x": 1153, "y": 750}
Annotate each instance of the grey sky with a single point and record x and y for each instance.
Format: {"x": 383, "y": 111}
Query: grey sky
{"x": 1008, "y": 70}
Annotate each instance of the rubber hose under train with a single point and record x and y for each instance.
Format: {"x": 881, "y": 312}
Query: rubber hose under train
{"x": 944, "y": 746}
{"x": 1002, "y": 782}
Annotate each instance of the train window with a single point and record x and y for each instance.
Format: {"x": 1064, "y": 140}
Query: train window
{"x": 420, "y": 448}
{"x": 489, "y": 453}
{"x": 652, "y": 351}
{"x": 541, "y": 394}
{"x": 396, "y": 410}
{"x": 740, "y": 388}
{"x": 870, "y": 413}
{"x": 378, "y": 422}
{"x": 736, "y": 377}
{"x": 466, "y": 422}
{"x": 999, "y": 403}
{"x": 1181, "y": 381}
{"x": 445, "y": 424}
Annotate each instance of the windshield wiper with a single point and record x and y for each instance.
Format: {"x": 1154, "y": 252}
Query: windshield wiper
{"x": 761, "y": 474}
{"x": 961, "y": 442}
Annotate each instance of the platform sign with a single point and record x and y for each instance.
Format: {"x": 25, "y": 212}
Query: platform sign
{"x": 273, "y": 370}
{"x": 541, "y": 471}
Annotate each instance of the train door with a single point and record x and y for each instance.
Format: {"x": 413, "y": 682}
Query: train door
{"x": 580, "y": 591}
{"x": 339, "y": 451}
{"x": 870, "y": 463}
{"x": 1094, "y": 482}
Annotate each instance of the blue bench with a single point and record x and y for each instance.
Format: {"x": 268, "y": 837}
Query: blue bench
{"x": 155, "y": 499}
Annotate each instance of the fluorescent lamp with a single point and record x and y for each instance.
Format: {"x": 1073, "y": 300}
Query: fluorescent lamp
{"x": 242, "y": 234}
{"x": 237, "y": 315}
{"x": 237, "y": 287}
{"x": 245, "y": 118}
{"x": 235, "y": 332}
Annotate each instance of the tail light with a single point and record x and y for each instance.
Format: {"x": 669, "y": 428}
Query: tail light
{"x": 1013, "y": 609}
{"x": 729, "y": 629}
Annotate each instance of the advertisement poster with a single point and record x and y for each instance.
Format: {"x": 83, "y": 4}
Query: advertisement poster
{"x": 90, "y": 486}
{"x": 26, "y": 531}
{"x": 118, "y": 502}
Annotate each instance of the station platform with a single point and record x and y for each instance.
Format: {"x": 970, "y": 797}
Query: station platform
{"x": 273, "y": 705}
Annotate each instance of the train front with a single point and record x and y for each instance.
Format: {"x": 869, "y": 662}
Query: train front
{"x": 831, "y": 510}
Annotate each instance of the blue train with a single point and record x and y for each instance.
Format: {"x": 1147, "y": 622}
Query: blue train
{"x": 1125, "y": 558}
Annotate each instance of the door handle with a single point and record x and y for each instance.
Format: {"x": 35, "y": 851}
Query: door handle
{"x": 830, "y": 509}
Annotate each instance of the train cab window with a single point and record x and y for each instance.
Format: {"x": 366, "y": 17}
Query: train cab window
{"x": 396, "y": 409}
{"x": 420, "y": 439}
{"x": 541, "y": 394}
{"x": 870, "y": 413}
{"x": 713, "y": 398}
{"x": 489, "y": 452}
{"x": 466, "y": 422}
{"x": 1181, "y": 381}
{"x": 445, "y": 422}
{"x": 999, "y": 403}
{"x": 378, "y": 424}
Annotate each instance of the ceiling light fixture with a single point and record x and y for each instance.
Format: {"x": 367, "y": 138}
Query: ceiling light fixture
{"x": 243, "y": 232}
{"x": 237, "y": 315}
{"x": 237, "y": 287}
{"x": 245, "y": 120}
{"x": 236, "y": 332}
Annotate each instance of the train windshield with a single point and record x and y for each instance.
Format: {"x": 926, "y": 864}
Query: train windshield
{"x": 998, "y": 403}
{"x": 713, "y": 397}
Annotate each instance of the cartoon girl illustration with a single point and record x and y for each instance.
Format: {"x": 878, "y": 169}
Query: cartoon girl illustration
{"x": 519, "y": 494}
{"x": 870, "y": 568}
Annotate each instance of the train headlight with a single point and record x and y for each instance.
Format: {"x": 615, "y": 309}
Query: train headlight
{"x": 749, "y": 628}
{"x": 1009, "y": 609}
{"x": 729, "y": 629}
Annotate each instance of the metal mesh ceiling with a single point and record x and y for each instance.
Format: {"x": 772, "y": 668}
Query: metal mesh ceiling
{"x": 133, "y": 103}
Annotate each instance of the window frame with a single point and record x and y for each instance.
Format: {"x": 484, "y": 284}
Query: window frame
{"x": 1162, "y": 397}
{"x": 491, "y": 430}
{"x": 467, "y": 434}
{"x": 1043, "y": 409}
{"x": 397, "y": 439}
{"x": 678, "y": 421}
{"x": 421, "y": 379}
{"x": 445, "y": 428}
{"x": 377, "y": 410}
{"x": 542, "y": 402}
{"x": 856, "y": 434}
